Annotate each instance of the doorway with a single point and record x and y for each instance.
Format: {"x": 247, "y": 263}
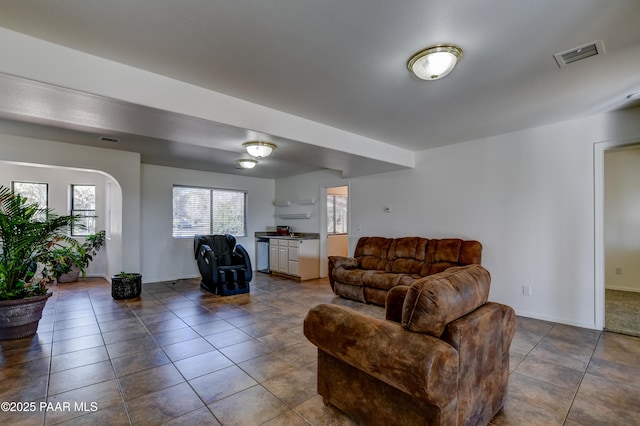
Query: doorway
{"x": 337, "y": 202}
{"x": 621, "y": 239}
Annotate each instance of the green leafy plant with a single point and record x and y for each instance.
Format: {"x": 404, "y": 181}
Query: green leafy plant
{"x": 76, "y": 254}
{"x": 126, "y": 276}
{"x": 62, "y": 260}
{"x": 29, "y": 237}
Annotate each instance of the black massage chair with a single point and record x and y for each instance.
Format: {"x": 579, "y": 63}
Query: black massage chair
{"x": 224, "y": 265}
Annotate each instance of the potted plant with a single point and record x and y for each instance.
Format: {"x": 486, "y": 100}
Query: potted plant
{"x": 126, "y": 285}
{"x": 28, "y": 237}
{"x": 72, "y": 261}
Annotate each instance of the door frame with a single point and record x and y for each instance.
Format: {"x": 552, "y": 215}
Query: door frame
{"x": 324, "y": 267}
{"x": 599, "y": 150}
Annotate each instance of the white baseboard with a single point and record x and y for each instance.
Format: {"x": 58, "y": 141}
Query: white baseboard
{"x": 164, "y": 279}
{"x": 557, "y": 320}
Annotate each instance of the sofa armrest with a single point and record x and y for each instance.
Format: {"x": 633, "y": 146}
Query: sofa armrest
{"x": 343, "y": 262}
{"x": 394, "y": 302}
{"x": 422, "y": 366}
{"x": 340, "y": 261}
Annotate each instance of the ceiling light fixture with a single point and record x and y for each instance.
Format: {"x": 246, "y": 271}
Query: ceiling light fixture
{"x": 259, "y": 149}
{"x": 435, "y": 62}
{"x": 247, "y": 163}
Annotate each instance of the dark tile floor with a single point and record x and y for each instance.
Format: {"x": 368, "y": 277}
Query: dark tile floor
{"x": 179, "y": 355}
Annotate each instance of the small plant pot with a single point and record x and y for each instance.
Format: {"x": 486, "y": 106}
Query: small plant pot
{"x": 126, "y": 287}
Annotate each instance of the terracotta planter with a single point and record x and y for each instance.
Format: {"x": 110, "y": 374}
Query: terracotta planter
{"x": 126, "y": 287}
{"x": 19, "y": 318}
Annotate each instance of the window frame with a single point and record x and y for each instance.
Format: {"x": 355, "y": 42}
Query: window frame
{"x": 332, "y": 198}
{"x": 211, "y": 211}
{"x": 45, "y": 208}
{"x": 78, "y": 231}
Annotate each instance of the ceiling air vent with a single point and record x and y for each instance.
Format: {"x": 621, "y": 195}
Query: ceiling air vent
{"x": 578, "y": 53}
{"x": 108, "y": 139}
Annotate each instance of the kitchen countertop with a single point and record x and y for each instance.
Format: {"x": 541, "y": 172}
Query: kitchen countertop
{"x": 296, "y": 235}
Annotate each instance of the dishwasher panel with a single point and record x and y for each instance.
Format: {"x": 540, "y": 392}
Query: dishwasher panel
{"x": 262, "y": 255}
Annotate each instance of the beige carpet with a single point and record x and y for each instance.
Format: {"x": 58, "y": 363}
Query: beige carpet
{"x": 622, "y": 312}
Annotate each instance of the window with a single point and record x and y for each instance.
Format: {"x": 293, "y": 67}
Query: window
{"x": 34, "y": 193}
{"x": 83, "y": 204}
{"x": 209, "y": 211}
{"x": 337, "y": 214}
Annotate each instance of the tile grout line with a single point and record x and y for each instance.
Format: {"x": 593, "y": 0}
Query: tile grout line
{"x": 584, "y": 373}
{"x": 258, "y": 383}
{"x": 115, "y": 374}
{"x": 173, "y": 363}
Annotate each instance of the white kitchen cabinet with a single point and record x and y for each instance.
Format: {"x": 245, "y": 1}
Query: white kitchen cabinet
{"x": 299, "y": 258}
{"x": 283, "y": 259}
{"x": 273, "y": 255}
{"x": 293, "y": 258}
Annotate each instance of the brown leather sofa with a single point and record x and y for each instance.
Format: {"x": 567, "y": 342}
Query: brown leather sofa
{"x": 379, "y": 264}
{"x": 440, "y": 358}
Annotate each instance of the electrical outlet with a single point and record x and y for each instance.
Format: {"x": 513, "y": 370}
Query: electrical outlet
{"x": 527, "y": 290}
{"x": 618, "y": 270}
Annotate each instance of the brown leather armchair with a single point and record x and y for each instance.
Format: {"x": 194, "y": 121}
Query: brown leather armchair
{"x": 441, "y": 357}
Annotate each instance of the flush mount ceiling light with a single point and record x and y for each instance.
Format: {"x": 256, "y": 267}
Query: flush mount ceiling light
{"x": 259, "y": 149}
{"x": 435, "y": 62}
{"x": 247, "y": 163}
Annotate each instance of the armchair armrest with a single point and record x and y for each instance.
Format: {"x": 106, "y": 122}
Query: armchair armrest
{"x": 394, "y": 303}
{"x": 420, "y": 365}
{"x": 207, "y": 261}
{"x": 241, "y": 252}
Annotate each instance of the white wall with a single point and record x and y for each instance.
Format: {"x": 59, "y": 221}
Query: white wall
{"x": 301, "y": 187}
{"x": 622, "y": 219}
{"x": 527, "y": 196}
{"x": 166, "y": 258}
{"x": 59, "y": 181}
{"x": 121, "y": 168}
{"x": 162, "y": 257}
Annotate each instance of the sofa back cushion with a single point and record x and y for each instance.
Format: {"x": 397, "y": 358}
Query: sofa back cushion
{"x": 407, "y": 255}
{"x": 415, "y": 255}
{"x": 434, "y": 301}
{"x": 371, "y": 252}
{"x": 445, "y": 253}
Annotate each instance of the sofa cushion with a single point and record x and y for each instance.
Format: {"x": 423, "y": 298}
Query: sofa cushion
{"x": 448, "y": 252}
{"x": 406, "y": 255}
{"x": 470, "y": 252}
{"x": 348, "y": 276}
{"x": 408, "y": 279}
{"x": 381, "y": 280}
{"x": 371, "y": 252}
{"x": 433, "y": 302}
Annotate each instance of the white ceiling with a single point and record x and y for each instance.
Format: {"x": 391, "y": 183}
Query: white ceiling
{"x": 341, "y": 63}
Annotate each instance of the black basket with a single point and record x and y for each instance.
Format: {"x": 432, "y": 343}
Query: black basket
{"x": 126, "y": 287}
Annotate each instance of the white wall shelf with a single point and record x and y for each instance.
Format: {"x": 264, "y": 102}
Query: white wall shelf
{"x": 306, "y": 201}
{"x": 294, "y": 215}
